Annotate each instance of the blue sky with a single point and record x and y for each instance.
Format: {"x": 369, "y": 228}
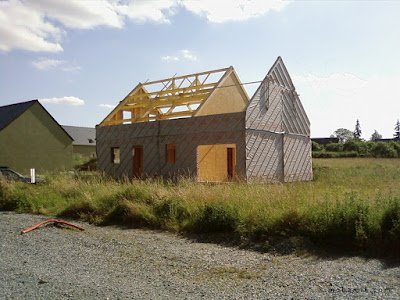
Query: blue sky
{"x": 80, "y": 58}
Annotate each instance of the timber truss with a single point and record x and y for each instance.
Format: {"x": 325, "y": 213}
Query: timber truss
{"x": 166, "y": 99}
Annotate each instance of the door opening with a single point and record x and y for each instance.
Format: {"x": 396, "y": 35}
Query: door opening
{"x": 137, "y": 161}
{"x": 231, "y": 163}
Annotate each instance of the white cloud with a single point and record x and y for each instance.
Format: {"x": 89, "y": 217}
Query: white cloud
{"x": 24, "y": 28}
{"x": 40, "y": 25}
{"x": 183, "y": 54}
{"x": 46, "y": 64}
{"x": 342, "y": 98}
{"x": 142, "y": 10}
{"x": 232, "y": 10}
{"x": 71, "y": 68}
{"x": 79, "y": 14}
{"x": 188, "y": 55}
{"x": 170, "y": 58}
{"x": 107, "y": 105}
{"x": 68, "y": 100}
{"x": 344, "y": 84}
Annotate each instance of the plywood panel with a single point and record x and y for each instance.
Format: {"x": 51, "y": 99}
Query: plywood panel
{"x": 226, "y": 98}
{"x": 213, "y": 162}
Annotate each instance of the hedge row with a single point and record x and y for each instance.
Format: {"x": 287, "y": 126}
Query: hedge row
{"x": 357, "y": 148}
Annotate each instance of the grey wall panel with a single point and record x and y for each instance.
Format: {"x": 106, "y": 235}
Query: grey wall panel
{"x": 264, "y": 111}
{"x": 278, "y": 145}
{"x": 264, "y": 156}
{"x": 294, "y": 118}
{"x": 153, "y": 136}
{"x": 297, "y": 158}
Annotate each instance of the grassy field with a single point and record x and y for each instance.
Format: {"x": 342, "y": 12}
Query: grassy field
{"x": 353, "y": 203}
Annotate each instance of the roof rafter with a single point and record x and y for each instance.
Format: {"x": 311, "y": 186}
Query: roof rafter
{"x": 166, "y": 98}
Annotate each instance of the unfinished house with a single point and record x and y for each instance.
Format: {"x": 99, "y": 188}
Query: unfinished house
{"x": 204, "y": 126}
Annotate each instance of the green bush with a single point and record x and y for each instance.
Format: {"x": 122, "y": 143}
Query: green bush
{"x": 216, "y": 217}
{"x": 77, "y": 210}
{"x": 396, "y": 146}
{"x": 334, "y": 147}
{"x": 349, "y": 154}
{"x": 355, "y": 224}
{"x": 326, "y": 154}
{"x": 381, "y": 149}
{"x": 358, "y": 146}
{"x": 171, "y": 214}
{"x": 351, "y": 145}
{"x": 8, "y": 198}
{"x": 132, "y": 215}
{"x": 391, "y": 225}
{"x": 316, "y": 147}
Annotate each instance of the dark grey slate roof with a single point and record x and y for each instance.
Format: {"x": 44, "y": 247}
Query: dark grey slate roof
{"x": 325, "y": 141}
{"x": 83, "y": 136}
{"x": 9, "y": 113}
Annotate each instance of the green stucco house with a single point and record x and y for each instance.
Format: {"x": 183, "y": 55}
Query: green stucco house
{"x": 31, "y": 138}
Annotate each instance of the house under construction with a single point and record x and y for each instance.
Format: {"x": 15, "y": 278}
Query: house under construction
{"x": 205, "y": 126}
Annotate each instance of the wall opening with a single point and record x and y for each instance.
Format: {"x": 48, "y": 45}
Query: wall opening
{"x": 231, "y": 163}
{"x": 216, "y": 163}
{"x": 115, "y": 155}
{"x": 137, "y": 161}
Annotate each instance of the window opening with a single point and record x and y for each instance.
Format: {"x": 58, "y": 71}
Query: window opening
{"x": 115, "y": 155}
{"x": 170, "y": 152}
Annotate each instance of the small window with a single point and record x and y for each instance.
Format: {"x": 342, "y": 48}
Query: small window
{"x": 264, "y": 96}
{"x": 171, "y": 152}
{"x": 115, "y": 155}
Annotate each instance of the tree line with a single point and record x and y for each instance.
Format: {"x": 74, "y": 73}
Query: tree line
{"x": 352, "y": 145}
{"x": 344, "y": 134}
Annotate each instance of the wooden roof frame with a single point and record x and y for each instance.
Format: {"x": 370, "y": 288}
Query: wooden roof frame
{"x": 145, "y": 105}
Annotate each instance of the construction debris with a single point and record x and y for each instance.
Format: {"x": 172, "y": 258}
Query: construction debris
{"x": 56, "y": 222}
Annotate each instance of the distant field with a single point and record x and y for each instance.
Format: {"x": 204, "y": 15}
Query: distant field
{"x": 352, "y": 203}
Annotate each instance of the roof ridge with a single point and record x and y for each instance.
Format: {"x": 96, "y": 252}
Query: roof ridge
{"x": 10, "y": 112}
{"x": 19, "y": 103}
{"x": 79, "y": 126}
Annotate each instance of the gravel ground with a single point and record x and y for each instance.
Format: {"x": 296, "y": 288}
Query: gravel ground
{"x": 114, "y": 263}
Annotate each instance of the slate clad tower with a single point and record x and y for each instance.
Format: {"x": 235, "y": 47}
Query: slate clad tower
{"x": 278, "y": 144}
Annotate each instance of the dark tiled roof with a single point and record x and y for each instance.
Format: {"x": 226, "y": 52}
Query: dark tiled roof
{"x": 9, "y": 113}
{"x": 325, "y": 141}
{"x": 83, "y": 136}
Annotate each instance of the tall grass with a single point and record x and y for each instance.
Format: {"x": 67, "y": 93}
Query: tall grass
{"x": 353, "y": 203}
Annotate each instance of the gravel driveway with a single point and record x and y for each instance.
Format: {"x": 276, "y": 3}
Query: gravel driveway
{"x": 114, "y": 263}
